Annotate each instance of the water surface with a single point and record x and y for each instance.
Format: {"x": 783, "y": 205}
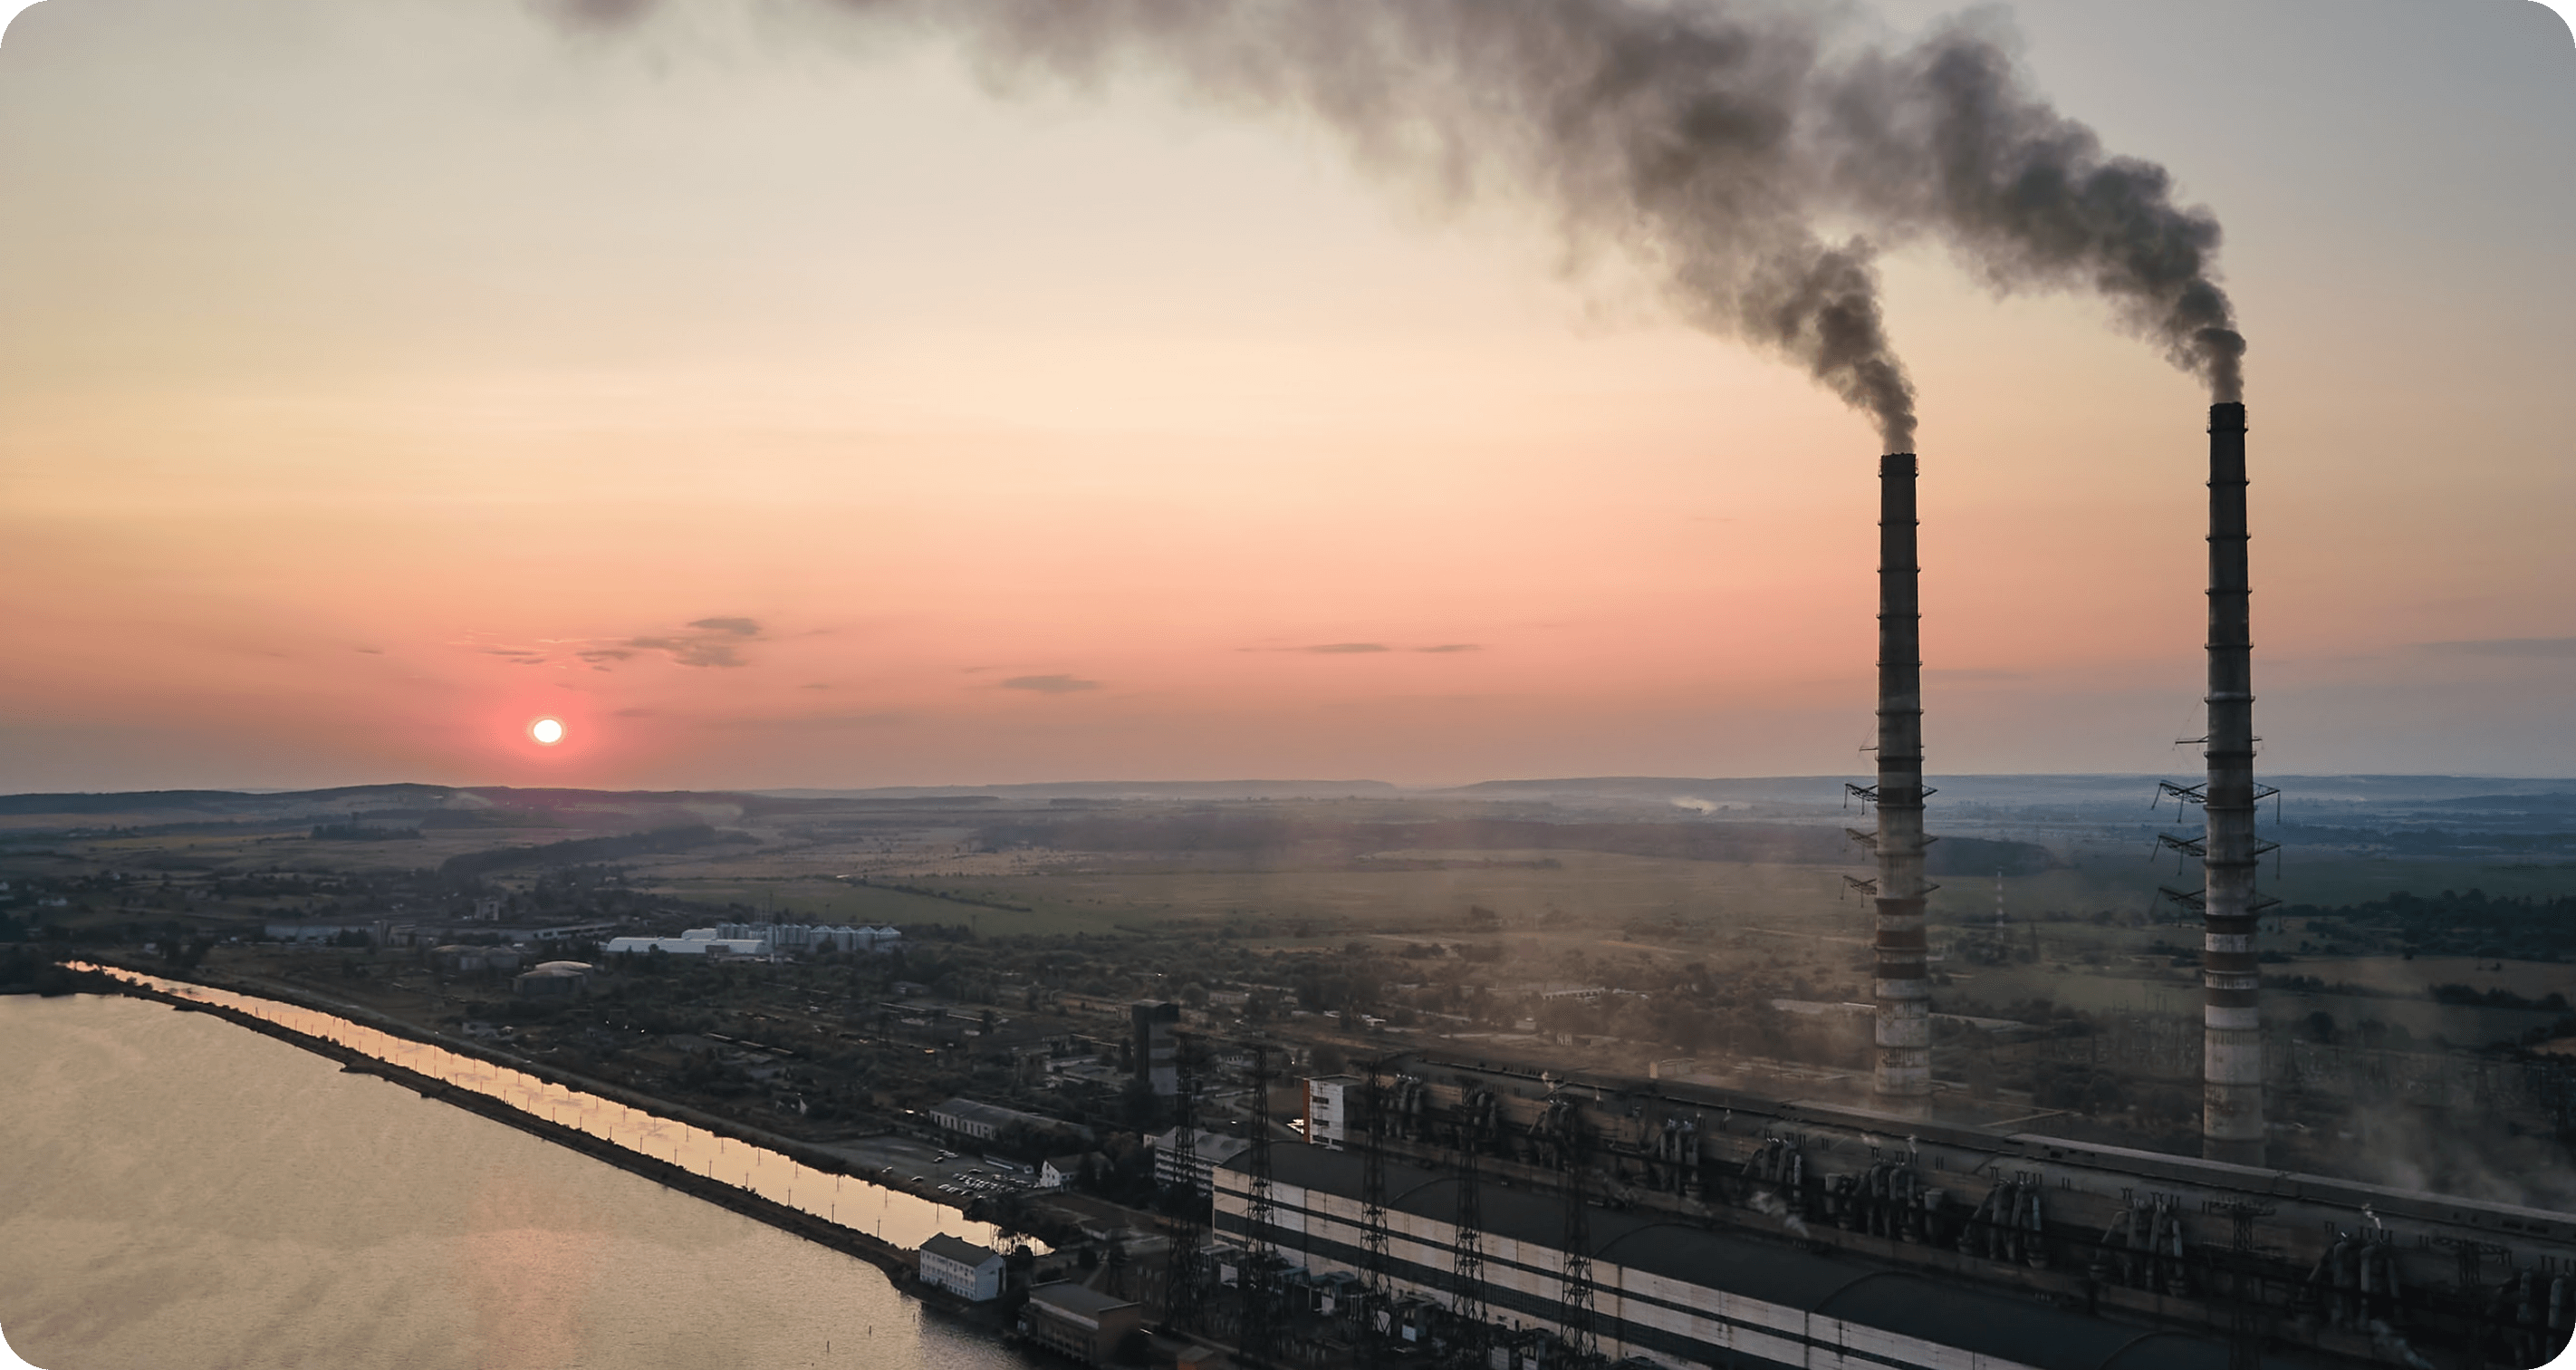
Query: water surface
{"x": 177, "y": 1191}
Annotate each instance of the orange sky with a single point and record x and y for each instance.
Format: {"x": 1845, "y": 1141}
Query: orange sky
{"x": 376, "y": 379}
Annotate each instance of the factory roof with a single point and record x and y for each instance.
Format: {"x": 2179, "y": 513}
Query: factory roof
{"x": 996, "y": 1116}
{"x": 1840, "y": 1287}
{"x": 1073, "y": 1298}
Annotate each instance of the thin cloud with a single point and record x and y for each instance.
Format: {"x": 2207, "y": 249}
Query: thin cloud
{"x": 2547, "y": 648}
{"x": 690, "y": 651}
{"x": 713, "y": 642}
{"x": 710, "y": 642}
{"x": 1050, "y": 684}
{"x": 1344, "y": 648}
{"x": 1454, "y": 647}
{"x": 883, "y": 718}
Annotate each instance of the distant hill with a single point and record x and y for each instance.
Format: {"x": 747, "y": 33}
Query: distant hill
{"x": 1118, "y": 789}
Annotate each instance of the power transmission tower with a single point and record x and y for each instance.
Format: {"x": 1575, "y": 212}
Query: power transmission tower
{"x": 1467, "y": 1274}
{"x": 1254, "y": 1284}
{"x": 1374, "y": 1266}
{"x": 1582, "y": 1342}
{"x": 2245, "y": 1331}
{"x": 1182, "y": 1288}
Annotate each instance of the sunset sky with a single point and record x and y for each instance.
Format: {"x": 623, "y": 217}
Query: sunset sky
{"x": 783, "y": 401}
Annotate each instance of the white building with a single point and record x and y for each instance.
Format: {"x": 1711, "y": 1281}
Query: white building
{"x": 1330, "y": 1101}
{"x": 694, "y": 942}
{"x": 805, "y": 937}
{"x": 1056, "y": 1172}
{"x": 962, "y": 1268}
{"x": 1213, "y": 1149}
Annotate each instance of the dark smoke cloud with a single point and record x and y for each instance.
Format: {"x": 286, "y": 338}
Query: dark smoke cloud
{"x": 1714, "y": 142}
{"x": 1945, "y": 138}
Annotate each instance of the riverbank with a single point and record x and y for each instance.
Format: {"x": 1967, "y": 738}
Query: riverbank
{"x": 898, "y": 1262}
{"x": 800, "y": 1150}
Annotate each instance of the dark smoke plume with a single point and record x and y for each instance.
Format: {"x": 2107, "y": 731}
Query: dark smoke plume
{"x": 1943, "y": 138}
{"x": 1715, "y": 142}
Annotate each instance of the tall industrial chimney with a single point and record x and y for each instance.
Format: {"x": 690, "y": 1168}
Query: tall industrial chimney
{"x": 1904, "y": 1021}
{"x": 2231, "y": 1117}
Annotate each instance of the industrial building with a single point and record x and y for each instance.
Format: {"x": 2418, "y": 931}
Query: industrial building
{"x": 1156, "y": 1048}
{"x": 1207, "y": 1152}
{"x": 1487, "y": 1207}
{"x": 803, "y": 937}
{"x": 1078, "y": 1322}
{"x": 1328, "y": 1108}
{"x": 694, "y": 942}
{"x": 1673, "y": 1292}
{"x": 975, "y": 1121}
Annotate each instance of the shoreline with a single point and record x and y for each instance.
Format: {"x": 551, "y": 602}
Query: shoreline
{"x": 898, "y": 1264}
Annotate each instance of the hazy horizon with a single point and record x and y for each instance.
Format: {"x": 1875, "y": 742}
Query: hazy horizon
{"x": 1145, "y": 783}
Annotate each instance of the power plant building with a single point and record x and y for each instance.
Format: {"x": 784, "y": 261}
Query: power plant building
{"x": 1673, "y": 1292}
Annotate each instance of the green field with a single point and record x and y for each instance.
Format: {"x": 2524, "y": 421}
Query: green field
{"x": 1526, "y": 889}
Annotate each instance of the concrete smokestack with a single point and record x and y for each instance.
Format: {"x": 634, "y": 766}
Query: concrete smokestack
{"x": 2231, "y": 1118}
{"x": 1904, "y": 1020}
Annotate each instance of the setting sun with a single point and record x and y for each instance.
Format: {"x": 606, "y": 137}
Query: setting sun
{"x": 547, "y": 731}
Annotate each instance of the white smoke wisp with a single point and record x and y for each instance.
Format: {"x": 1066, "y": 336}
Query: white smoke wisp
{"x": 2387, "y": 1341}
{"x": 1771, "y": 1205}
{"x": 1756, "y": 158}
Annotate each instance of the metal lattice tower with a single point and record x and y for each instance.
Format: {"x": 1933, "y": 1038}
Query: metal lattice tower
{"x": 1467, "y": 1273}
{"x": 1582, "y": 1340}
{"x": 1254, "y": 1283}
{"x": 2245, "y": 1286}
{"x": 1374, "y": 1264}
{"x": 1182, "y": 1288}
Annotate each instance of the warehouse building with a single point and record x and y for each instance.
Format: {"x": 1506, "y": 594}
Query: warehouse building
{"x": 1082, "y": 1323}
{"x": 694, "y": 942}
{"x": 975, "y": 1121}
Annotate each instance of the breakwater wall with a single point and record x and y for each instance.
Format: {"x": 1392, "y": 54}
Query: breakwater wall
{"x": 890, "y": 1254}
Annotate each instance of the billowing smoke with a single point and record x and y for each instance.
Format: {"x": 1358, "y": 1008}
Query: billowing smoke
{"x": 1747, "y": 159}
{"x": 1942, "y": 138}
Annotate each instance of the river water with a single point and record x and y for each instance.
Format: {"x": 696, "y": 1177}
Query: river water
{"x": 178, "y": 1191}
